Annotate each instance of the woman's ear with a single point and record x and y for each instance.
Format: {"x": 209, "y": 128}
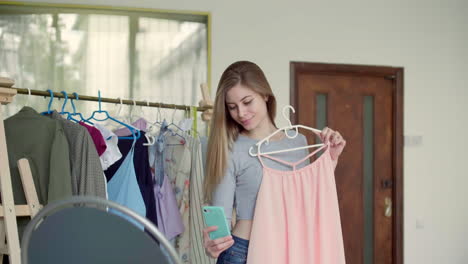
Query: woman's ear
{"x": 266, "y": 97}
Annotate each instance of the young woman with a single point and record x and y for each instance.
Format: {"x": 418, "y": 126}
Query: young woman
{"x": 244, "y": 113}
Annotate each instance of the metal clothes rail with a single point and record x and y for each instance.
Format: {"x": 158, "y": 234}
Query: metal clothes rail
{"x": 109, "y": 100}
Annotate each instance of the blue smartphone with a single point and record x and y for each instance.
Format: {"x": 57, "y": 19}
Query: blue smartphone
{"x": 214, "y": 216}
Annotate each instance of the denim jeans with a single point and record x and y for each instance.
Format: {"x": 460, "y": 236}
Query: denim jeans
{"x": 236, "y": 254}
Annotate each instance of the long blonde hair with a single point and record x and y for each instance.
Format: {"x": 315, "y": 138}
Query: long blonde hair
{"x": 224, "y": 130}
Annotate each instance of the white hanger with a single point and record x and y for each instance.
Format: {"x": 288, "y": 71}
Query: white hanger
{"x": 132, "y": 109}
{"x": 29, "y": 96}
{"x": 285, "y": 129}
{"x": 118, "y": 115}
{"x": 149, "y": 133}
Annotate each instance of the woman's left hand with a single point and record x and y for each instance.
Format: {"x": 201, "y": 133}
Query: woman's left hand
{"x": 337, "y": 142}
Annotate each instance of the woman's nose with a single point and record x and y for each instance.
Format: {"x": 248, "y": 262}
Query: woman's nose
{"x": 241, "y": 112}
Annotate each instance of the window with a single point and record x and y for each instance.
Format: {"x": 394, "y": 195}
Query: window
{"x": 132, "y": 54}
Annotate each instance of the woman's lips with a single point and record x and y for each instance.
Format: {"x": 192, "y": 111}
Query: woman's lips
{"x": 246, "y": 122}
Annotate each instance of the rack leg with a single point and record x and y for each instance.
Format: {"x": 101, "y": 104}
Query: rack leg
{"x": 9, "y": 212}
{"x": 32, "y": 199}
{"x": 3, "y": 245}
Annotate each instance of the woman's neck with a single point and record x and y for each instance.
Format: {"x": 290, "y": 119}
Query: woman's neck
{"x": 262, "y": 131}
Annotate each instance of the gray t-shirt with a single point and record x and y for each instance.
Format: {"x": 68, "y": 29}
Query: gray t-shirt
{"x": 241, "y": 183}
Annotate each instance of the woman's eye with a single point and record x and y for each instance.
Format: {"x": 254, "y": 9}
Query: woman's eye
{"x": 247, "y": 103}
{"x": 231, "y": 107}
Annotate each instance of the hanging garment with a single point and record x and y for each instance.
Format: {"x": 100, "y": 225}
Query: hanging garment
{"x": 42, "y": 141}
{"x": 112, "y": 153}
{"x": 123, "y": 187}
{"x": 197, "y": 251}
{"x": 177, "y": 166}
{"x": 140, "y": 124}
{"x": 158, "y": 163}
{"x": 86, "y": 169}
{"x": 98, "y": 139}
{"x": 169, "y": 219}
{"x": 142, "y": 171}
{"x": 297, "y": 218}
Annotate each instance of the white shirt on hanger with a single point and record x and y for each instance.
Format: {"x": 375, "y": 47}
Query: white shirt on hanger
{"x": 112, "y": 153}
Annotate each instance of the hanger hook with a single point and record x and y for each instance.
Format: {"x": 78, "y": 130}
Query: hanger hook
{"x": 132, "y": 110}
{"x": 73, "y": 104}
{"x": 99, "y": 99}
{"x": 173, "y": 113}
{"x": 64, "y": 101}
{"x": 51, "y": 99}
{"x": 29, "y": 96}
{"x": 285, "y": 110}
{"x": 120, "y": 106}
{"x": 141, "y": 109}
{"x": 159, "y": 112}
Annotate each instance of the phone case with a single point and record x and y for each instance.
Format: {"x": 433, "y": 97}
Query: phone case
{"x": 214, "y": 216}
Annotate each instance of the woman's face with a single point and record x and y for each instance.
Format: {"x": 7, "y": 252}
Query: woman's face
{"x": 247, "y": 107}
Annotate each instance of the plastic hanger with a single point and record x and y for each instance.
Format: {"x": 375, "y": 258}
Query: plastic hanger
{"x": 29, "y": 96}
{"x": 172, "y": 124}
{"x": 62, "y": 111}
{"x": 149, "y": 137}
{"x": 285, "y": 130}
{"x": 48, "y": 112}
{"x": 176, "y": 133}
{"x": 152, "y": 128}
{"x": 152, "y": 138}
{"x": 134, "y": 130}
{"x": 119, "y": 116}
{"x": 164, "y": 129}
{"x": 131, "y": 117}
{"x": 135, "y": 119}
{"x": 168, "y": 129}
{"x": 71, "y": 115}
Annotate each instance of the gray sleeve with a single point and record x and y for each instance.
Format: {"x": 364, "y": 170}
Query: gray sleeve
{"x": 91, "y": 181}
{"x": 224, "y": 193}
{"x": 59, "y": 178}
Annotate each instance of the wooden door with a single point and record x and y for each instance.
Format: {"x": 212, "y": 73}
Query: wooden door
{"x": 364, "y": 103}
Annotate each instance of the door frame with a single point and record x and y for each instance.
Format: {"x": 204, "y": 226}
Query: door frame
{"x": 396, "y": 75}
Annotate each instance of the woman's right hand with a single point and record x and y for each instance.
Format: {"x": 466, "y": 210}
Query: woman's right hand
{"x": 215, "y": 247}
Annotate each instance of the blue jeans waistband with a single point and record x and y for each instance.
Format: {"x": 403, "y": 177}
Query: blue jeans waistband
{"x": 240, "y": 241}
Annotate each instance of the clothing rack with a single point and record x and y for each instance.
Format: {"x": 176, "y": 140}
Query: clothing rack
{"x": 8, "y": 210}
{"x": 111, "y": 100}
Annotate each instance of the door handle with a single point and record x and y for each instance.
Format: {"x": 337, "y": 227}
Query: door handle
{"x": 388, "y": 206}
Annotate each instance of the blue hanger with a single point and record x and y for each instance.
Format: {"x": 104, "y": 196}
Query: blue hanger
{"x": 62, "y": 112}
{"x": 135, "y": 131}
{"x": 71, "y": 115}
{"x": 48, "y": 112}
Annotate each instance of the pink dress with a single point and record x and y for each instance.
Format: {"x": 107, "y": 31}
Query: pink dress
{"x": 297, "y": 219}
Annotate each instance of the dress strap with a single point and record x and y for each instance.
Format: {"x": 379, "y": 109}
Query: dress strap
{"x": 292, "y": 164}
{"x": 260, "y": 159}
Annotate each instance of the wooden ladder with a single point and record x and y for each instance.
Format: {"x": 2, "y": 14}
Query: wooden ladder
{"x": 8, "y": 210}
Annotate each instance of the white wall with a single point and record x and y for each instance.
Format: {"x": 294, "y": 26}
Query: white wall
{"x": 428, "y": 39}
